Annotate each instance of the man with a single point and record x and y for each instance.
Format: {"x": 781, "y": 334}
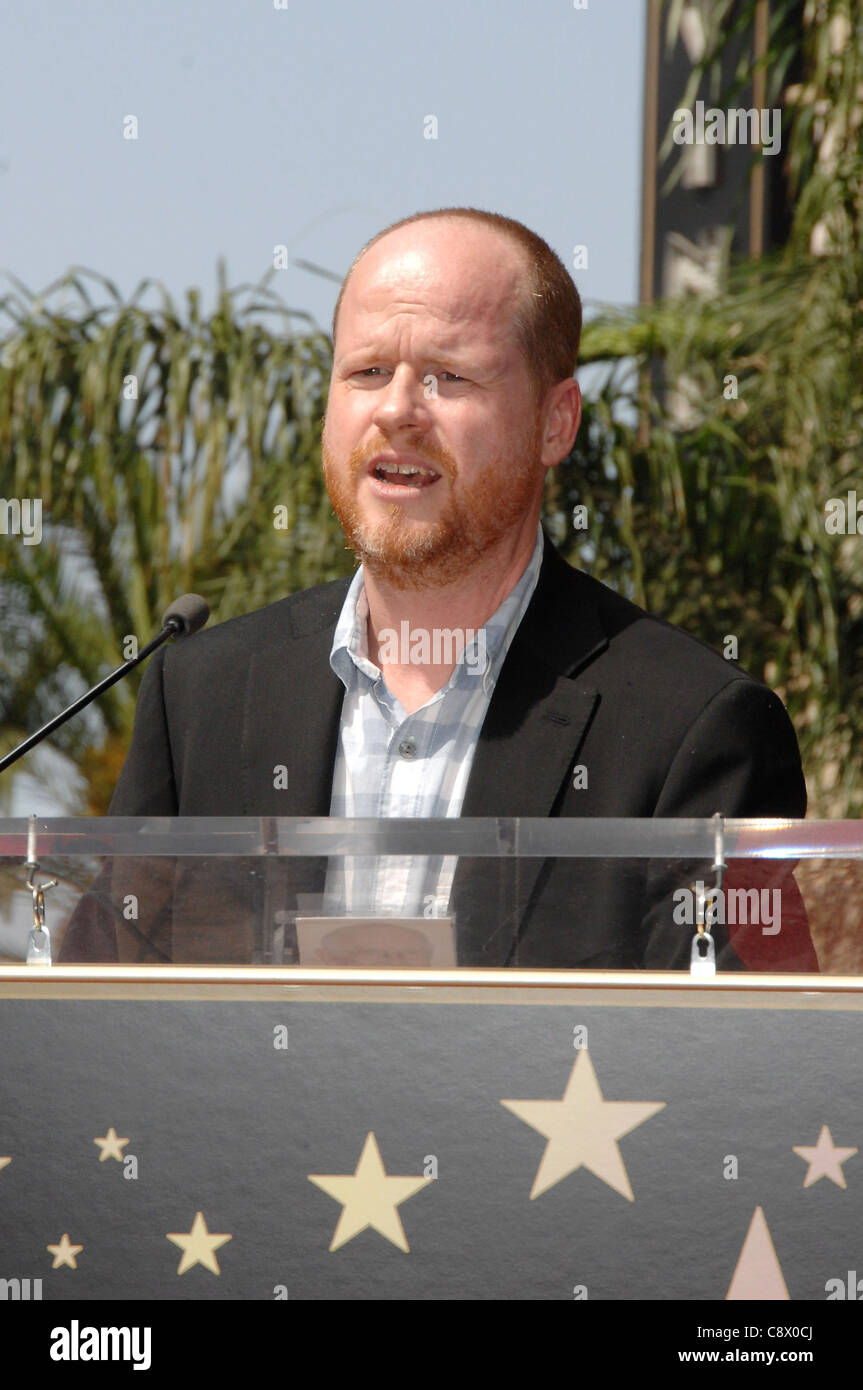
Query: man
{"x": 455, "y": 340}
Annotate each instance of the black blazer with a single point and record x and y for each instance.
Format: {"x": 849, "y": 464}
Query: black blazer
{"x": 663, "y": 725}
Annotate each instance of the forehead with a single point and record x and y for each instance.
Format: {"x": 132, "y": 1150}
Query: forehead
{"x": 447, "y": 275}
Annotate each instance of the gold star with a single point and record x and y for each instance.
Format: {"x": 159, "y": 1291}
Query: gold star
{"x": 582, "y": 1130}
{"x": 111, "y": 1146}
{"x": 369, "y": 1197}
{"x": 825, "y": 1159}
{"x": 4, "y": 1162}
{"x": 64, "y": 1253}
{"x": 198, "y": 1246}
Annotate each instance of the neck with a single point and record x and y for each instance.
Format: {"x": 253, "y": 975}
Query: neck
{"x": 462, "y": 607}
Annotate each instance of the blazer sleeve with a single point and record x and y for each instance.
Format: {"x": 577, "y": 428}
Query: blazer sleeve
{"x": 147, "y": 785}
{"x": 738, "y": 757}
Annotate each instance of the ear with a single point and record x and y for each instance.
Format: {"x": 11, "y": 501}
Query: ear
{"x": 562, "y": 413}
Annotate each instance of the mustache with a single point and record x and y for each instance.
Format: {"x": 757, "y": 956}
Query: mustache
{"x": 432, "y": 454}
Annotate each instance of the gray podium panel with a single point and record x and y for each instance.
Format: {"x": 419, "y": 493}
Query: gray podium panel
{"x": 649, "y": 1139}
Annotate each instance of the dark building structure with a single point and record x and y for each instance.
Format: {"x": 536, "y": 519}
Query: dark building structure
{"x": 729, "y": 201}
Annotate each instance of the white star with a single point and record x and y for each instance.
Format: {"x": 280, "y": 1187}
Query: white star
{"x": 369, "y": 1197}
{"x": 582, "y": 1130}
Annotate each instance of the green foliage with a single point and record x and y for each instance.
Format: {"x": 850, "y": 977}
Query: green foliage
{"x": 161, "y": 449}
{"x": 719, "y": 526}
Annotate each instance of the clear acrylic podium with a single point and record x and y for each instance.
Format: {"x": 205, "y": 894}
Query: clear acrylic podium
{"x": 202, "y": 1100}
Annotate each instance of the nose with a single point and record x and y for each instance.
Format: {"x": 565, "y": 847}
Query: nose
{"x": 401, "y": 402}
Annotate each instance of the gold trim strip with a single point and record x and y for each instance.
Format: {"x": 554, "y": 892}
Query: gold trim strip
{"x": 622, "y": 980}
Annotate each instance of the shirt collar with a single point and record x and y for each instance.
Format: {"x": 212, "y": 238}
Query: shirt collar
{"x": 349, "y": 652}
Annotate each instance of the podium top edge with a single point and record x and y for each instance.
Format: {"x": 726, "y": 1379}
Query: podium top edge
{"x": 481, "y": 837}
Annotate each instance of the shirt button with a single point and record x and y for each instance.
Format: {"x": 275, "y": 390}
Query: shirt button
{"x": 408, "y": 748}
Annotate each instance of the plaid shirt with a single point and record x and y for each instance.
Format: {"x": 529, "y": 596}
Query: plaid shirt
{"x": 390, "y": 763}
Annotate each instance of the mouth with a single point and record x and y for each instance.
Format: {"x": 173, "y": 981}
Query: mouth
{"x": 393, "y": 475}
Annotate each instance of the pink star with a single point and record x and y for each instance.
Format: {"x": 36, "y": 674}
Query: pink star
{"x": 825, "y": 1159}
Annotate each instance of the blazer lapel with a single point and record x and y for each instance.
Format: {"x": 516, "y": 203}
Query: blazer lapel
{"x": 537, "y": 718}
{"x": 295, "y": 728}
{"x": 292, "y": 707}
{"x": 538, "y": 711}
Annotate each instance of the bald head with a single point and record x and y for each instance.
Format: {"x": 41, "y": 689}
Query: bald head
{"x": 463, "y": 274}
{"x": 511, "y": 265}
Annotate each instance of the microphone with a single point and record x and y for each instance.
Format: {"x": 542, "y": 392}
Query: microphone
{"x": 184, "y": 616}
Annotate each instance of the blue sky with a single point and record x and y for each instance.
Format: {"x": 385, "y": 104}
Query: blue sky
{"x": 305, "y": 126}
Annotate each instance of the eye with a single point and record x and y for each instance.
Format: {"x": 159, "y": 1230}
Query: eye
{"x": 367, "y": 371}
{"x": 451, "y": 376}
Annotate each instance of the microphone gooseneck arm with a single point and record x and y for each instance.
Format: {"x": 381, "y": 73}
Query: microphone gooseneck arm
{"x": 186, "y": 615}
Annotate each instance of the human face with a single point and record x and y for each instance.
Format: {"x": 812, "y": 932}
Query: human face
{"x": 428, "y": 375}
